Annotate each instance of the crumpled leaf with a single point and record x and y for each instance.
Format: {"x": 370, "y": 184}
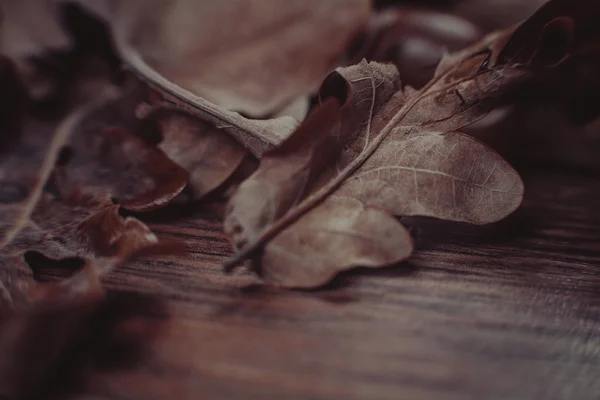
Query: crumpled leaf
{"x": 250, "y": 56}
{"x": 397, "y": 151}
{"x": 209, "y": 155}
{"x": 108, "y": 162}
{"x": 42, "y": 220}
{"x": 56, "y": 231}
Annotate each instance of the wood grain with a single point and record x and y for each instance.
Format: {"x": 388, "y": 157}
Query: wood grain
{"x": 509, "y": 311}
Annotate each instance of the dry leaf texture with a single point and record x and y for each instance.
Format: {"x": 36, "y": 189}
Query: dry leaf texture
{"x": 392, "y": 150}
{"x": 374, "y": 146}
{"x": 210, "y": 156}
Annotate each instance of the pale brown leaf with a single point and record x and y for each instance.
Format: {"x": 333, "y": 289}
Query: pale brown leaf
{"x": 250, "y": 56}
{"x": 209, "y": 155}
{"x": 398, "y": 151}
{"x": 255, "y": 135}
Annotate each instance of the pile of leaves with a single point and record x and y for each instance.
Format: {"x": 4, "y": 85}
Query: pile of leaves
{"x": 323, "y": 121}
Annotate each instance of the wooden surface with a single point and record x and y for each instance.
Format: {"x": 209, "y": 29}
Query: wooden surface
{"x": 510, "y": 311}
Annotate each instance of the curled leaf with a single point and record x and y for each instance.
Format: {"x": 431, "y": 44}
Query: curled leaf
{"x": 44, "y": 225}
{"x": 105, "y": 162}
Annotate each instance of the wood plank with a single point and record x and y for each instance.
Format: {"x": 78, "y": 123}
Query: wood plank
{"x": 497, "y": 312}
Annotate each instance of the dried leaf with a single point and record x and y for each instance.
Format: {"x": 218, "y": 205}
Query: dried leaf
{"x": 52, "y": 224}
{"x": 255, "y": 135}
{"x": 24, "y": 170}
{"x": 55, "y": 231}
{"x": 209, "y": 155}
{"x": 547, "y": 121}
{"x": 250, "y": 56}
{"x": 392, "y": 149}
{"x": 397, "y": 150}
{"x": 110, "y": 163}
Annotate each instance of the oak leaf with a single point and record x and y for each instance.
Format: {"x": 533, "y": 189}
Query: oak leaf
{"x": 374, "y": 148}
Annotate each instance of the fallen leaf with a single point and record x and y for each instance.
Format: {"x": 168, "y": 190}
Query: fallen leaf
{"x": 56, "y": 232}
{"x": 209, "y": 155}
{"x": 43, "y": 221}
{"x": 26, "y": 162}
{"x": 108, "y": 162}
{"x": 255, "y": 135}
{"x": 254, "y": 57}
{"x": 396, "y": 151}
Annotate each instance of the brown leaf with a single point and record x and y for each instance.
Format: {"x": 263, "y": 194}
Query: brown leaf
{"x": 394, "y": 150}
{"x": 209, "y": 155}
{"x": 44, "y": 224}
{"x": 107, "y": 163}
{"x": 249, "y": 56}
{"x": 547, "y": 121}
{"x": 255, "y": 135}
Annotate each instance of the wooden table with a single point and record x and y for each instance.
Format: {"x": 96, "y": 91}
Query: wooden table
{"x": 510, "y": 311}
